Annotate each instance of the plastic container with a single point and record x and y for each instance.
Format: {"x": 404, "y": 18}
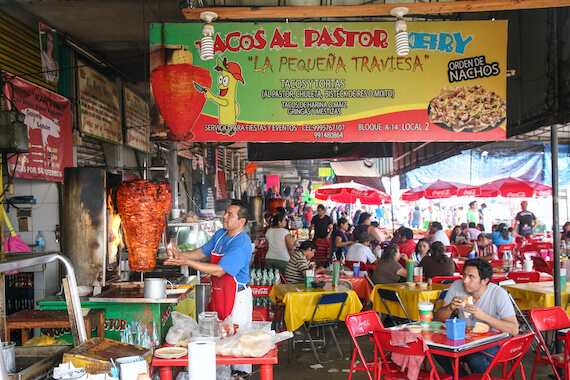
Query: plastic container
{"x": 40, "y": 242}
{"x": 426, "y": 312}
{"x": 455, "y": 329}
{"x": 9, "y": 352}
{"x": 356, "y": 269}
{"x": 410, "y": 270}
{"x": 336, "y": 273}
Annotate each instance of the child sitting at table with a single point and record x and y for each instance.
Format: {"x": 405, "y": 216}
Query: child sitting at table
{"x": 300, "y": 262}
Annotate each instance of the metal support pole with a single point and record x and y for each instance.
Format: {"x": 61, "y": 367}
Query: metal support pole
{"x": 555, "y": 215}
{"x": 173, "y": 173}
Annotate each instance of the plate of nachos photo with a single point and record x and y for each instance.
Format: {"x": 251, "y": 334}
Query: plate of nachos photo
{"x": 467, "y": 109}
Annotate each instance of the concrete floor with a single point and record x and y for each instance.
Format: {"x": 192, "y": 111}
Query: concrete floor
{"x": 300, "y": 370}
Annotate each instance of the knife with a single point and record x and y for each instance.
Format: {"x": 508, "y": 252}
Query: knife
{"x": 199, "y": 88}
{"x": 166, "y": 234}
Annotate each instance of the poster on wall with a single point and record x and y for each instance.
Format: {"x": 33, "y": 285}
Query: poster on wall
{"x": 99, "y": 112}
{"x": 327, "y": 82}
{"x": 48, "y": 118}
{"x": 136, "y": 121}
{"x": 48, "y": 52}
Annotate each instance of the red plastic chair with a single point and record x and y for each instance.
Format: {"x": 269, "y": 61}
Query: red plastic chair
{"x": 541, "y": 265}
{"x": 510, "y": 248}
{"x": 512, "y": 351}
{"x": 439, "y": 279}
{"x": 362, "y": 324}
{"x": 383, "y": 339}
{"x": 524, "y": 277}
{"x": 550, "y": 318}
{"x": 458, "y": 269}
{"x": 463, "y": 250}
{"x": 349, "y": 264}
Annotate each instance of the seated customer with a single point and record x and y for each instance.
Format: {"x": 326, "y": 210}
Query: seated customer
{"x": 438, "y": 264}
{"x": 457, "y": 236}
{"x": 407, "y": 244}
{"x": 421, "y": 251}
{"x": 501, "y": 236}
{"x": 437, "y": 234}
{"x": 388, "y": 270}
{"x": 472, "y": 231}
{"x": 361, "y": 250}
{"x": 484, "y": 249}
{"x": 491, "y": 305}
{"x": 299, "y": 262}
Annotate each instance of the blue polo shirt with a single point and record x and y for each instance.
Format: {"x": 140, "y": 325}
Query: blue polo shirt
{"x": 236, "y": 251}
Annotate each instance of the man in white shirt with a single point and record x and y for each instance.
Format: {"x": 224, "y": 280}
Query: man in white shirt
{"x": 437, "y": 234}
{"x": 361, "y": 250}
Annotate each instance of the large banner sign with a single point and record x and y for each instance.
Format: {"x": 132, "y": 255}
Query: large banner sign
{"x": 100, "y": 112}
{"x": 327, "y": 82}
{"x": 48, "y": 117}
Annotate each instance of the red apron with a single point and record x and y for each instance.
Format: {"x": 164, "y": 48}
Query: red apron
{"x": 224, "y": 289}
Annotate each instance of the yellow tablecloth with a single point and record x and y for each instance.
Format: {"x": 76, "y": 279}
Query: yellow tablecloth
{"x": 300, "y": 303}
{"x": 410, "y": 298}
{"x": 536, "y": 295}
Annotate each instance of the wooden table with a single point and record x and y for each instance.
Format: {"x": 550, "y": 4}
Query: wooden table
{"x": 535, "y": 295}
{"x": 29, "y": 319}
{"x": 300, "y": 303}
{"x": 439, "y": 344}
{"x": 410, "y": 297}
{"x": 265, "y": 363}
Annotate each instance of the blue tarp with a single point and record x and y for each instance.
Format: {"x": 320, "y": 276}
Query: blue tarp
{"x": 485, "y": 164}
{"x": 563, "y": 165}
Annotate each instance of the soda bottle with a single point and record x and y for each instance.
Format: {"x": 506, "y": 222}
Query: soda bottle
{"x": 40, "y": 242}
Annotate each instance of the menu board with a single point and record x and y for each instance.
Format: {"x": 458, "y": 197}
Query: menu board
{"x": 100, "y": 115}
{"x": 48, "y": 118}
{"x": 136, "y": 121}
{"x": 335, "y": 81}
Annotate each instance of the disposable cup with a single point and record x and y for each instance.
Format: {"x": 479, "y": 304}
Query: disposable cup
{"x": 426, "y": 312}
{"x": 528, "y": 265}
{"x": 356, "y": 269}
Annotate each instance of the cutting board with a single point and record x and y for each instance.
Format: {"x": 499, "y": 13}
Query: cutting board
{"x": 95, "y": 354}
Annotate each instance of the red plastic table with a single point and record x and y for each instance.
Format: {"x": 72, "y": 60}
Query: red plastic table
{"x": 265, "y": 362}
{"x": 474, "y": 342}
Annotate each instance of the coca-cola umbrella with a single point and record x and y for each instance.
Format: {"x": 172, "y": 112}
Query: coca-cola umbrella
{"x": 349, "y": 192}
{"x": 438, "y": 190}
{"x": 513, "y": 188}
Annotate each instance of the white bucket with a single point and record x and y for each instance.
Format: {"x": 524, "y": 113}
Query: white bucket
{"x": 528, "y": 265}
{"x": 9, "y": 350}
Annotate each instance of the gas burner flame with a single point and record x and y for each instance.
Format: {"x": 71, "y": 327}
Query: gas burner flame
{"x": 114, "y": 227}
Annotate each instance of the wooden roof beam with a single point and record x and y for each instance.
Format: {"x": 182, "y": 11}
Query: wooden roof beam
{"x": 370, "y": 10}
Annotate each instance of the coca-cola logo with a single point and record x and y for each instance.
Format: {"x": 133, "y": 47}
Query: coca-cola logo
{"x": 441, "y": 193}
{"x": 359, "y": 193}
{"x": 469, "y": 192}
{"x": 261, "y": 291}
{"x": 520, "y": 194}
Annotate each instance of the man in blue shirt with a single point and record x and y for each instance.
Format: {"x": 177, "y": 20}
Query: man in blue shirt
{"x": 229, "y": 252}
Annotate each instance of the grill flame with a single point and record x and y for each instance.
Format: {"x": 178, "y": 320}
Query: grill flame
{"x": 115, "y": 239}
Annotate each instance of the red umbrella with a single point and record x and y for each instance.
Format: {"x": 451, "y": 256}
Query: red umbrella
{"x": 514, "y": 188}
{"x": 439, "y": 189}
{"x": 349, "y": 192}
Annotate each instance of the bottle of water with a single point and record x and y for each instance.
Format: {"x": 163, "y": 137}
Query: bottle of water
{"x": 40, "y": 242}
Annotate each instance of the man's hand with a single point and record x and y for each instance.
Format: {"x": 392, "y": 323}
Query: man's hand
{"x": 456, "y": 303}
{"x": 475, "y": 311}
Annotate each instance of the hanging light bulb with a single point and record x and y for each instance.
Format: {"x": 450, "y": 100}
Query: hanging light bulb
{"x": 207, "y": 42}
{"x": 401, "y": 28}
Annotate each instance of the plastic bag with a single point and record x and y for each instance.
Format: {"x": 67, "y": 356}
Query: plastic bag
{"x": 226, "y": 328}
{"x": 184, "y": 327}
{"x": 253, "y": 344}
{"x": 43, "y": 340}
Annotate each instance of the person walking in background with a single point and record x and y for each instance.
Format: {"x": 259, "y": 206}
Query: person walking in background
{"x": 321, "y": 225}
{"x": 416, "y": 217}
{"x": 525, "y": 221}
{"x": 473, "y": 215}
{"x": 365, "y": 225}
{"x": 279, "y": 244}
